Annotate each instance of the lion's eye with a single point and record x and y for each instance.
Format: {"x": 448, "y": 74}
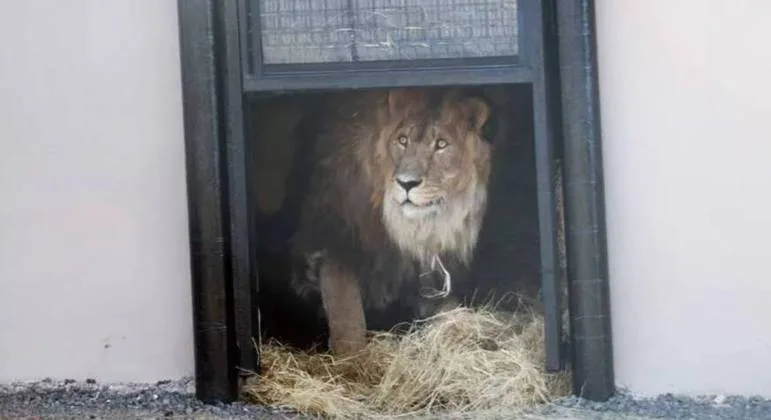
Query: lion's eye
{"x": 441, "y": 144}
{"x": 402, "y": 140}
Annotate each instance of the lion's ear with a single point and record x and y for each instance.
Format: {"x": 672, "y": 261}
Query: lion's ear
{"x": 402, "y": 100}
{"x": 476, "y": 112}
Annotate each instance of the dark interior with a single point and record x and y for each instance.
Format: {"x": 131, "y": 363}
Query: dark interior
{"x": 507, "y": 257}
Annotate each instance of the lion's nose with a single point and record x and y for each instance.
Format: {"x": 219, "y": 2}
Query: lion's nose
{"x": 408, "y": 184}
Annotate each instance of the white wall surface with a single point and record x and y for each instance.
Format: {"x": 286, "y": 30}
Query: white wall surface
{"x": 94, "y": 276}
{"x": 686, "y": 108}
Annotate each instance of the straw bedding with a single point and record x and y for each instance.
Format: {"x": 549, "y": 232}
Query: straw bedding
{"x": 461, "y": 361}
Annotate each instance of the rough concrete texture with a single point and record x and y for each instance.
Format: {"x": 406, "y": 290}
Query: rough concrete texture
{"x": 175, "y": 399}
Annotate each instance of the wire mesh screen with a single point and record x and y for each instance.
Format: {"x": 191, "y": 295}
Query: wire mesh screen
{"x": 334, "y": 31}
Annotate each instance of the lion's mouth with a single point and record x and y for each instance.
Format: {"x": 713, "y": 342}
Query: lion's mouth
{"x": 431, "y": 203}
{"x": 420, "y": 210}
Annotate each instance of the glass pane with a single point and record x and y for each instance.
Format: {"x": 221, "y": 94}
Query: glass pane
{"x": 334, "y": 31}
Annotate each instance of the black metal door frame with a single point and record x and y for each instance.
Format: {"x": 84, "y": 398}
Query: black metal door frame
{"x": 559, "y": 55}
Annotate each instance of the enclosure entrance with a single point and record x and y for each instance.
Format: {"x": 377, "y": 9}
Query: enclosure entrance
{"x": 507, "y": 257}
{"x": 504, "y": 274}
{"x": 247, "y": 60}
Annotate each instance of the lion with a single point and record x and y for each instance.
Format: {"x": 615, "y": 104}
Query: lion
{"x": 396, "y": 199}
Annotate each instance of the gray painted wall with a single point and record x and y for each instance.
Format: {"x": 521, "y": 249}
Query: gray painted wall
{"x": 94, "y": 276}
{"x": 685, "y": 110}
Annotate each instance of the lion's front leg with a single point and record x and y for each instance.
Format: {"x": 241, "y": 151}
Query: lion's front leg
{"x": 342, "y": 301}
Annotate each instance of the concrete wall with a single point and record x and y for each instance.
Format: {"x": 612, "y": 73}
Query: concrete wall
{"x": 94, "y": 276}
{"x": 685, "y": 105}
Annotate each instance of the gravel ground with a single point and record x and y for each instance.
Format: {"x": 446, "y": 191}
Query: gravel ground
{"x": 167, "y": 399}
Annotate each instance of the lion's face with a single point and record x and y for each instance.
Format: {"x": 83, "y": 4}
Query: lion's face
{"x": 436, "y": 171}
{"x": 436, "y": 155}
{"x": 428, "y": 165}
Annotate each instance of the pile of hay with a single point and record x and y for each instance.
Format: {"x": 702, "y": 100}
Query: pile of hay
{"x": 460, "y": 361}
